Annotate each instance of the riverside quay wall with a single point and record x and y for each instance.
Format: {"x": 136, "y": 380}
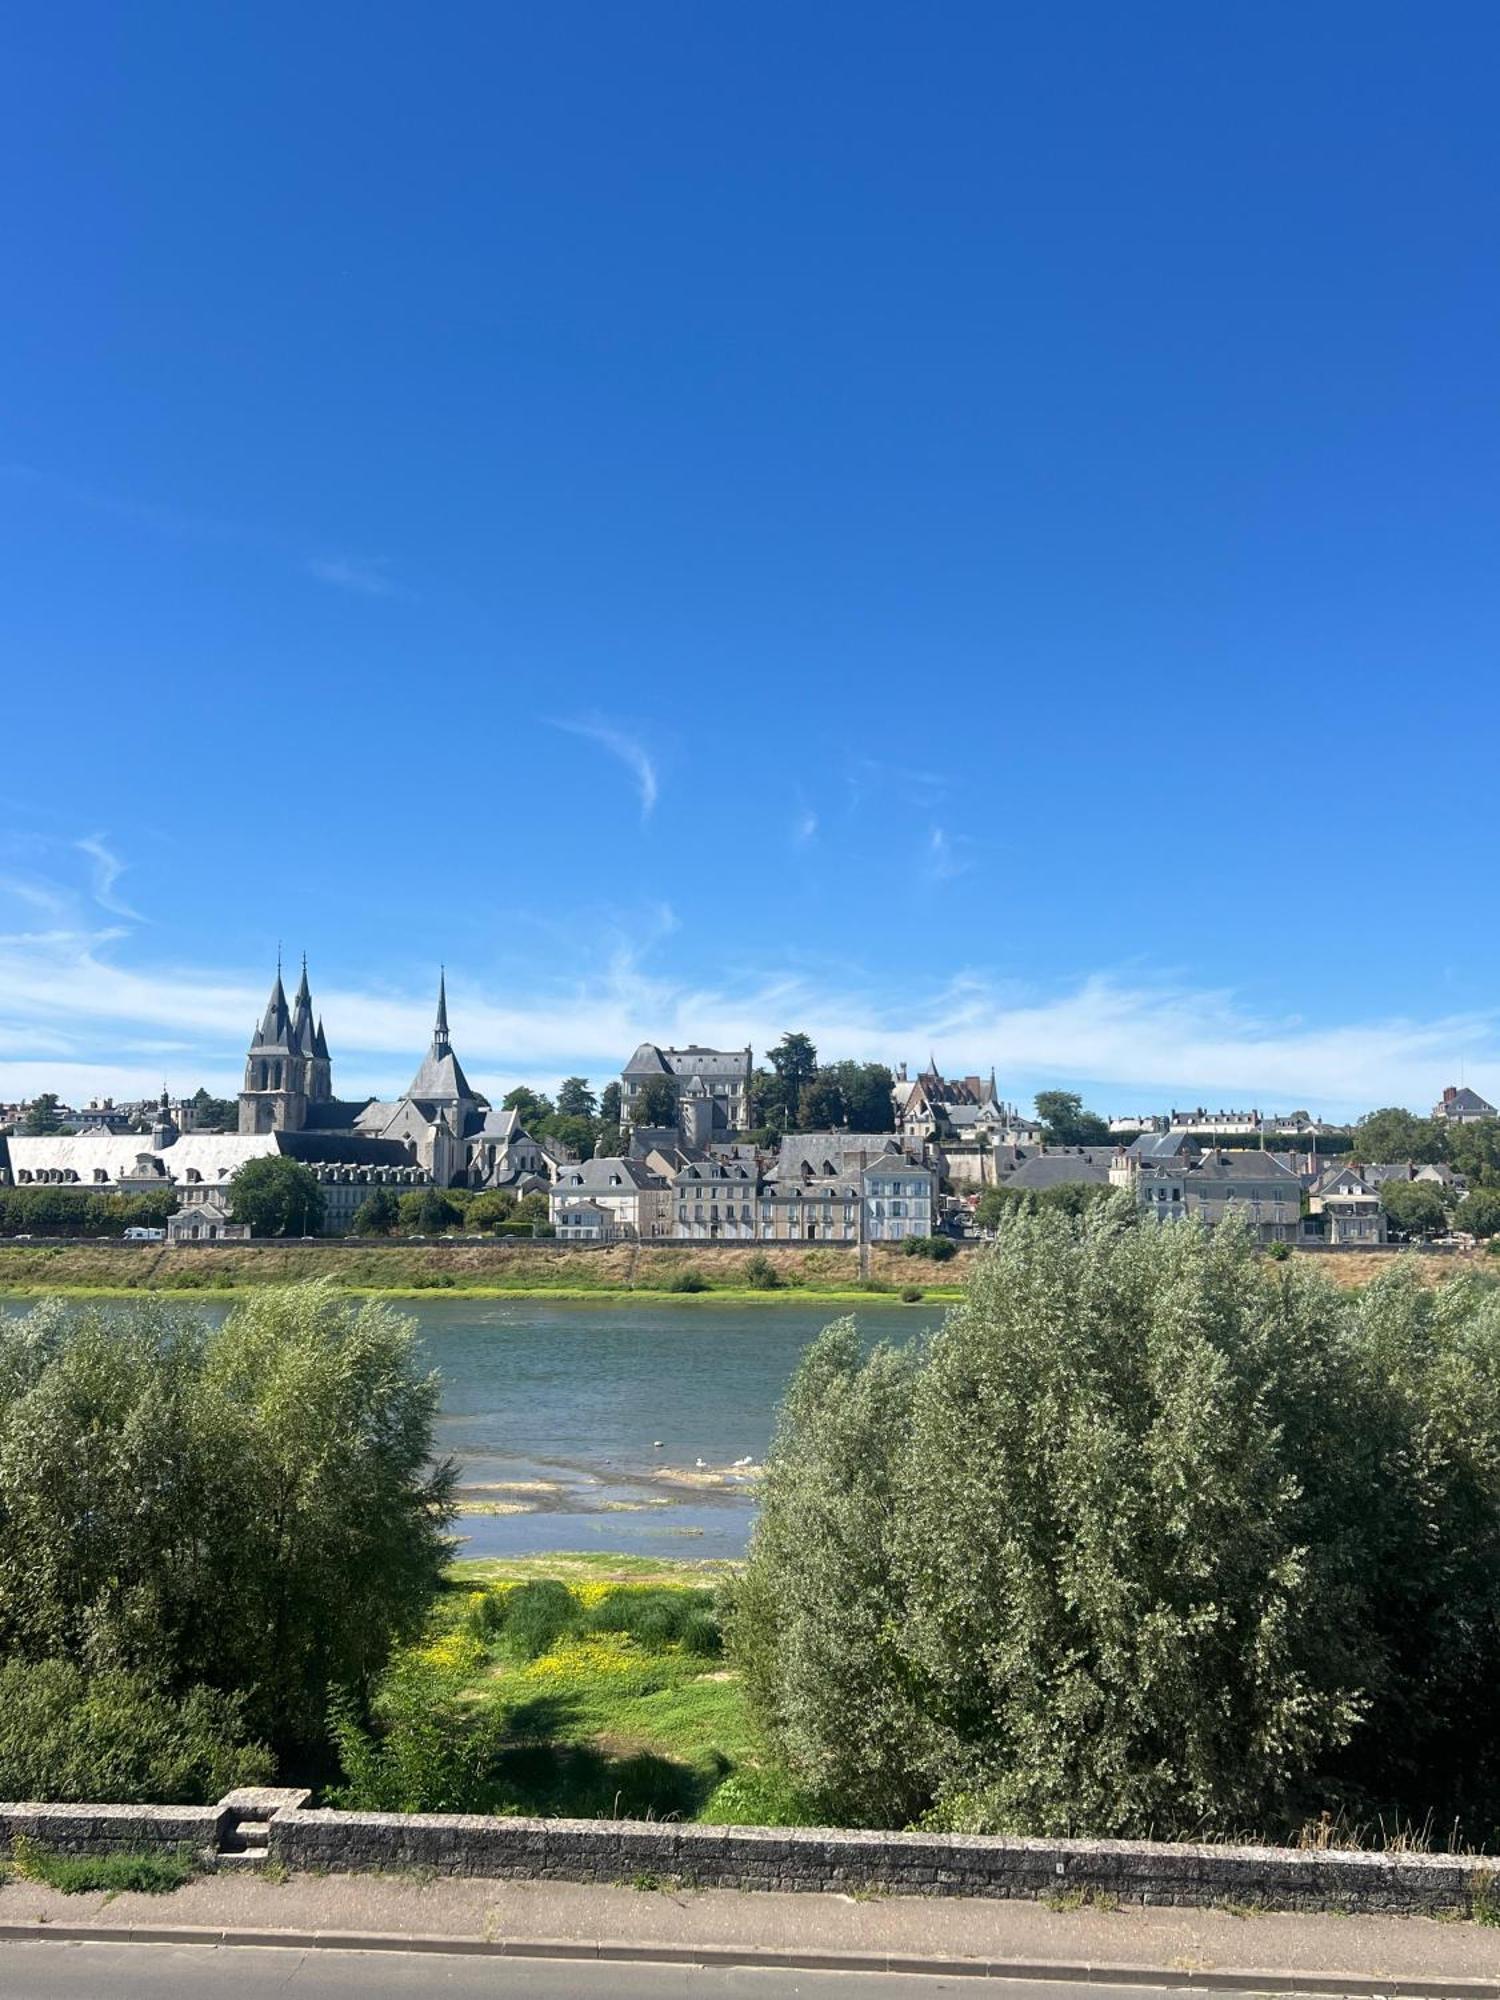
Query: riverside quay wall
{"x": 805, "y": 1859}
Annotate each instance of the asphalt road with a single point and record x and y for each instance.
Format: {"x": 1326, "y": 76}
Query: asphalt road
{"x": 64, "y": 1971}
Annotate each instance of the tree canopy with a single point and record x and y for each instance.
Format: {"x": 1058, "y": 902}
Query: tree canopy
{"x": 42, "y": 1117}
{"x": 655, "y": 1103}
{"x": 276, "y": 1196}
{"x": 1415, "y": 1208}
{"x": 1151, "y": 1538}
{"x": 1395, "y": 1134}
{"x": 250, "y": 1509}
{"x": 1066, "y": 1123}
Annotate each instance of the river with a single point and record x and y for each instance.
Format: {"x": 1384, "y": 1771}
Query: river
{"x": 615, "y": 1427}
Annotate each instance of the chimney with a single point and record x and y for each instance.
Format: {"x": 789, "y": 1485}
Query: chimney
{"x": 1449, "y": 1093}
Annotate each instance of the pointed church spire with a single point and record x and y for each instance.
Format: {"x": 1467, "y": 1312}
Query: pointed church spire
{"x": 275, "y": 1021}
{"x": 440, "y": 1026}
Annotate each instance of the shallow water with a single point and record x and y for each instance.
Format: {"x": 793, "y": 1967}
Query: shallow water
{"x": 585, "y": 1422}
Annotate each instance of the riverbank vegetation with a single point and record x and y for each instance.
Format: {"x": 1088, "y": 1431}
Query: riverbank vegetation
{"x": 1153, "y": 1537}
{"x": 572, "y": 1685}
{"x": 518, "y": 1268}
{"x": 205, "y": 1533}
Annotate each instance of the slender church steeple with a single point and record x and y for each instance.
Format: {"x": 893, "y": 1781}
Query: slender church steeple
{"x": 440, "y": 1043}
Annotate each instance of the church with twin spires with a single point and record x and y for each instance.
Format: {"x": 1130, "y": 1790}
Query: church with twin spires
{"x": 446, "y": 1126}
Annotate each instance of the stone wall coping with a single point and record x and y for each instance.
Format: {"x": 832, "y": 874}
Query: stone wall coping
{"x": 207, "y": 1817}
{"x": 687, "y": 1834}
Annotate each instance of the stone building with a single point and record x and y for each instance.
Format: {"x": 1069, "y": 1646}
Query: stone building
{"x": 1172, "y": 1175}
{"x": 637, "y": 1201}
{"x": 961, "y": 1123}
{"x": 1350, "y": 1207}
{"x": 1459, "y": 1105}
{"x": 711, "y": 1089}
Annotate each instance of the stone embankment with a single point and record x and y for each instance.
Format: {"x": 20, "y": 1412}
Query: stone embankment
{"x": 797, "y": 1859}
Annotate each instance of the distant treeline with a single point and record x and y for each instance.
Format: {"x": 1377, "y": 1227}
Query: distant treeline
{"x": 68, "y": 1211}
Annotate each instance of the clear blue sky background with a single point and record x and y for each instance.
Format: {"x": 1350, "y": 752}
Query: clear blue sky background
{"x": 969, "y": 527}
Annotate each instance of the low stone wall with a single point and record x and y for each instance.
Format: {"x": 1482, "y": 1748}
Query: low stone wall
{"x": 795, "y": 1859}
{"x": 812, "y": 1859}
{"x": 91, "y": 1829}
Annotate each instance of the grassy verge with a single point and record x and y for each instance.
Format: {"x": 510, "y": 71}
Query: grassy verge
{"x": 574, "y": 1685}
{"x": 655, "y": 1274}
{"x": 153, "y": 1871}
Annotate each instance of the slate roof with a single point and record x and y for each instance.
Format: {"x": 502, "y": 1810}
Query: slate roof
{"x": 650, "y": 1060}
{"x": 1465, "y": 1100}
{"x": 823, "y": 1153}
{"x": 441, "y": 1080}
{"x": 1252, "y": 1165}
{"x": 1062, "y": 1166}
{"x": 1174, "y": 1146}
{"x": 607, "y": 1176}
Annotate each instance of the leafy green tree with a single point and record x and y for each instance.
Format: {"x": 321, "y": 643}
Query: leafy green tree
{"x": 1066, "y": 1123}
{"x": 277, "y": 1196}
{"x": 378, "y": 1214}
{"x": 821, "y": 1107}
{"x": 814, "y": 1620}
{"x": 866, "y": 1090}
{"x": 1474, "y": 1151}
{"x": 609, "y": 1104}
{"x": 1154, "y": 1537}
{"x": 532, "y": 1207}
{"x": 1394, "y": 1134}
{"x": 214, "y": 1114}
{"x": 995, "y": 1204}
{"x": 1479, "y": 1212}
{"x": 1415, "y": 1208}
{"x": 42, "y": 1118}
{"x": 494, "y": 1205}
{"x": 768, "y": 1112}
{"x": 794, "y": 1062}
{"x": 655, "y": 1103}
{"x": 67, "y": 1734}
{"x": 575, "y": 1099}
{"x": 252, "y": 1508}
{"x": 534, "y": 1108}
{"x": 578, "y": 1134}
{"x": 436, "y": 1212}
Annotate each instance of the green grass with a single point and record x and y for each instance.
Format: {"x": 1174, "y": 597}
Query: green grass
{"x": 593, "y": 1665}
{"x": 151, "y": 1872}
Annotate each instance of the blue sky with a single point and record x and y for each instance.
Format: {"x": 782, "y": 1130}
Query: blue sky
{"x": 966, "y": 529}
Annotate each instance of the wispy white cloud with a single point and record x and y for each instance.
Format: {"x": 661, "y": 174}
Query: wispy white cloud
{"x": 630, "y": 751}
{"x": 136, "y": 513}
{"x": 107, "y": 869}
{"x": 80, "y": 1019}
{"x": 804, "y": 827}
{"x": 366, "y": 576}
{"x": 946, "y": 855}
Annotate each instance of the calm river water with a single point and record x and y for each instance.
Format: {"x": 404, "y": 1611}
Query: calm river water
{"x": 582, "y": 1426}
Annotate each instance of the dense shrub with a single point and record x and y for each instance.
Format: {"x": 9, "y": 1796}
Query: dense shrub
{"x": 537, "y": 1615}
{"x": 938, "y": 1248}
{"x": 686, "y": 1281}
{"x": 655, "y": 1619}
{"x": 429, "y": 1750}
{"x": 251, "y": 1508}
{"x": 760, "y": 1274}
{"x": 71, "y": 1211}
{"x": 70, "y": 1735}
{"x": 1152, "y": 1537}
